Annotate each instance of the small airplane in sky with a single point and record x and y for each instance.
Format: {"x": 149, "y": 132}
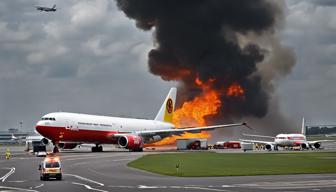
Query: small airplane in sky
{"x": 46, "y": 9}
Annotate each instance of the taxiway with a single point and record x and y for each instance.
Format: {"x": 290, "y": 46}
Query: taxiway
{"x": 108, "y": 171}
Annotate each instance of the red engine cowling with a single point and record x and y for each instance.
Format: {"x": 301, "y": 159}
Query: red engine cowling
{"x": 67, "y": 145}
{"x": 131, "y": 142}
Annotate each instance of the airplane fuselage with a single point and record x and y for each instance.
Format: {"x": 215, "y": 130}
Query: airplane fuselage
{"x": 83, "y": 128}
{"x": 289, "y": 140}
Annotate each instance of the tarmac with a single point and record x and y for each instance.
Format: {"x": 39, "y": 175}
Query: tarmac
{"x": 108, "y": 171}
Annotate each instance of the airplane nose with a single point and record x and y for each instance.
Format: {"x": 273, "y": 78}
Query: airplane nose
{"x": 38, "y": 126}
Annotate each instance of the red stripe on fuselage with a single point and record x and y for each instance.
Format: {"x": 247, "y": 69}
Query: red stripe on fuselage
{"x": 79, "y": 135}
{"x": 297, "y": 143}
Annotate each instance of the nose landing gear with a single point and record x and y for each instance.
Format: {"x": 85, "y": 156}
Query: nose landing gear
{"x": 55, "y": 149}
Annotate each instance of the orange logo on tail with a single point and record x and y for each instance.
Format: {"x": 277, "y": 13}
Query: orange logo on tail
{"x": 169, "y": 105}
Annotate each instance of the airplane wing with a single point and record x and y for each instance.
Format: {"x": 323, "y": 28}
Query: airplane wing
{"x": 168, "y": 132}
{"x": 320, "y": 141}
{"x": 259, "y": 142}
{"x": 263, "y": 136}
{"x": 190, "y": 129}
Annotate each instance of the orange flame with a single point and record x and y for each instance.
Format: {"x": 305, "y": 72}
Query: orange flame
{"x": 193, "y": 113}
{"x": 198, "y": 81}
{"x": 235, "y": 90}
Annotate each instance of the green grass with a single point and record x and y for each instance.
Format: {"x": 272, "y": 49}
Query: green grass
{"x": 234, "y": 164}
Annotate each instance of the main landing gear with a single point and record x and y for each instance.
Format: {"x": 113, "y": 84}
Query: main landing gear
{"x": 136, "y": 150}
{"x": 55, "y": 149}
{"x": 97, "y": 148}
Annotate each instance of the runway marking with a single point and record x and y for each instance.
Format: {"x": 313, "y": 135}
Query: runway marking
{"x": 148, "y": 187}
{"x": 39, "y": 186}
{"x": 121, "y": 186}
{"x": 89, "y": 187}
{"x": 18, "y": 189}
{"x": 18, "y": 181}
{"x": 3, "y": 178}
{"x": 227, "y": 186}
{"x": 290, "y": 185}
{"x": 206, "y": 188}
{"x": 84, "y": 179}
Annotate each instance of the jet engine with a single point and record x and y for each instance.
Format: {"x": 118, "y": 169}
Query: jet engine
{"x": 67, "y": 145}
{"x": 304, "y": 146}
{"x": 317, "y": 145}
{"x": 131, "y": 142}
{"x": 269, "y": 147}
{"x": 45, "y": 141}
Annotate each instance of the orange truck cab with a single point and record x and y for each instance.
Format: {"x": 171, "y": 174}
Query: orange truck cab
{"x": 50, "y": 167}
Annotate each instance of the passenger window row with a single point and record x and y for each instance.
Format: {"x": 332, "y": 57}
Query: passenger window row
{"x": 49, "y": 118}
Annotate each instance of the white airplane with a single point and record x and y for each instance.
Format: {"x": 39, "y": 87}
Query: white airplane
{"x": 73, "y": 128}
{"x": 287, "y": 140}
{"x": 13, "y": 138}
{"x": 17, "y": 138}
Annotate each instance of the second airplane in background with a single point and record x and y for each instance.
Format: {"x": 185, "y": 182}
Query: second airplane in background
{"x": 287, "y": 140}
{"x": 66, "y": 130}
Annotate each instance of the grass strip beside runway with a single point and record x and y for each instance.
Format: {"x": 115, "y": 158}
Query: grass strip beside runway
{"x": 204, "y": 164}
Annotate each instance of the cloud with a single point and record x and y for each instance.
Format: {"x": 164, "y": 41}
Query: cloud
{"x": 11, "y": 36}
{"x": 87, "y": 13}
{"x": 310, "y": 31}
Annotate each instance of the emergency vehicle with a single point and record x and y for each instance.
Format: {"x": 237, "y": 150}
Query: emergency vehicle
{"x": 50, "y": 167}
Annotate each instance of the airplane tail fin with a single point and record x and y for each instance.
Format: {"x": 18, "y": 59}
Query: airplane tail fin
{"x": 54, "y": 7}
{"x": 303, "y": 128}
{"x": 167, "y": 109}
{"x": 13, "y": 137}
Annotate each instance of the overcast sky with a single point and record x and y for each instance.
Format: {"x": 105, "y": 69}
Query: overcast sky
{"x": 88, "y": 57}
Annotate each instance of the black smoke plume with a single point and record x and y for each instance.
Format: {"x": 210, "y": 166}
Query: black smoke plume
{"x": 231, "y": 41}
